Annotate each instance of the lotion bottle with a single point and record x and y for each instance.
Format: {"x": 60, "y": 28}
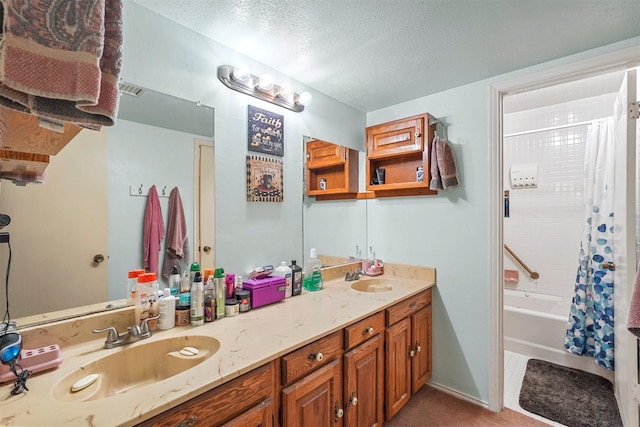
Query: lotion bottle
{"x": 284, "y": 271}
{"x": 167, "y": 309}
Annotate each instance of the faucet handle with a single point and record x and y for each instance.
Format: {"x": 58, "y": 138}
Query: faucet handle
{"x": 145, "y": 332}
{"x": 113, "y": 335}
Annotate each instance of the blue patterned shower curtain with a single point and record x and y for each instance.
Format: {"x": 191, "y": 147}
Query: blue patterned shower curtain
{"x": 590, "y": 330}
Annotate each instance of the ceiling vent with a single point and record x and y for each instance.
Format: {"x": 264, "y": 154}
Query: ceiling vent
{"x": 130, "y": 89}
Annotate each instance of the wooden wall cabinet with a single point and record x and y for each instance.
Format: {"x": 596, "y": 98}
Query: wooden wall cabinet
{"x": 400, "y": 147}
{"x": 331, "y": 171}
{"x": 27, "y": 141}
{"x": 408, "y": 350}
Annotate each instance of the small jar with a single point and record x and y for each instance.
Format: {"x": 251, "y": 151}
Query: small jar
{"x": 244, "y": 300}
{"x": 182, "y": 314}
{"x": 232, "y": 308}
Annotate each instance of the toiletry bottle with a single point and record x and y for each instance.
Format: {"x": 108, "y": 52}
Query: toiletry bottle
{"x": 312, "y": 278}
{"x": 167, "y": 308}
{"x": 146, "y": 304}
{"x": 174, "y": 281}
{"x": 296, "y": 278}
{"x": 195, "y": 268}
{"x": 238, "y": 285}
{"x": 185, "y": 282}
{"x": 209, "y": 300}
{"x": 218, "y": 280}
{"x": 284, "y": 271}
{"x": 229, "y": 283}
{"x": 196, "y": 315}
{"x": 132, "y": 282}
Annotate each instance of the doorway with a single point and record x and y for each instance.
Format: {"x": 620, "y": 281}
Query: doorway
{"x": 575, "y": 72}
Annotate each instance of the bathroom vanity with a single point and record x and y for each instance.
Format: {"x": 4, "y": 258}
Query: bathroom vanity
{"x": 318, "y": 357}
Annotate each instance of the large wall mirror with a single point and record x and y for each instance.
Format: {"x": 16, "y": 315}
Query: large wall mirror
{"x": 336, "y": 228}
{"x": 86, "y": 208}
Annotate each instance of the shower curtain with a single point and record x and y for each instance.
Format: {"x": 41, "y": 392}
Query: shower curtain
{"x": 590, "y": 329}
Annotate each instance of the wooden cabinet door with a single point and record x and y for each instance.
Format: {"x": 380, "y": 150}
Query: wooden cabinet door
{"x": 421, "y": 339}
{"x": 322, "y": 154}
{"x": 363, "y": 391}
{"x": 398, "y": 367}
{"x": 397, "y": 137}
{"x": 316, "y": 399}
{"x": 260, "y": 415}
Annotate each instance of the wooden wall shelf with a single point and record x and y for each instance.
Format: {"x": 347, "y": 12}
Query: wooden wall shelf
{"x": 400, "y": 147}
{"x": 332, "y": 171}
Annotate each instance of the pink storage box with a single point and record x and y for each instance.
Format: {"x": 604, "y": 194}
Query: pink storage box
{"x": 265, "y": 291}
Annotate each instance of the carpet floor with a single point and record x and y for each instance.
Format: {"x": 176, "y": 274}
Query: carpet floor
{"x": 434, "y": 408}
{"x": 569, "y": 396}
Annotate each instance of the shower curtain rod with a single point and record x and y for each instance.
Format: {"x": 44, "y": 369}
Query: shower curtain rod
{"x": 570, "y": 125}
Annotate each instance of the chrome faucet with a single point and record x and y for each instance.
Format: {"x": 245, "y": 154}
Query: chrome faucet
{"x": 134, "y": 333}
{"x": 349, "y": 277}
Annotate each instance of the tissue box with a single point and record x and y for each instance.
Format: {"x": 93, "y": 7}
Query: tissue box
{"x": 266, "y": 290}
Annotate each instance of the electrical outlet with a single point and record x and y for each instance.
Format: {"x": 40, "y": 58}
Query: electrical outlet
{"x": 4, "y": 237}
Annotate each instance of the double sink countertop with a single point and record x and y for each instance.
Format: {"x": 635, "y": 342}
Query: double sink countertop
{"x": 247, "y": 341}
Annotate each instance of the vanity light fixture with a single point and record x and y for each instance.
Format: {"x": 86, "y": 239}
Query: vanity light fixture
{"x": 240, "y": 79}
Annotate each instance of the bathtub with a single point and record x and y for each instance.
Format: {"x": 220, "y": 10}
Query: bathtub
{"x": 535, "y": 326}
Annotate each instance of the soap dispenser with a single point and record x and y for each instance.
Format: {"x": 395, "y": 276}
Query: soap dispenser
{"x": 312, "y": 278}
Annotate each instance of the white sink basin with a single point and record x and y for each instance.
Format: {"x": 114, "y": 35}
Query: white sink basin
{"x": 134, "y": 366}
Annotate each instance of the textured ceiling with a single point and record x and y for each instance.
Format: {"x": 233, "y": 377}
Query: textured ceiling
{"x": 374, "y": 53}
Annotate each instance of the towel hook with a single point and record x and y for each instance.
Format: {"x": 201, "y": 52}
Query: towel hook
{"x": 164, "y": 190}
{"x": 140, "y": 188}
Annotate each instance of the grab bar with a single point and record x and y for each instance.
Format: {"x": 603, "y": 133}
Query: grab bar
{"x": 533, "y": 274}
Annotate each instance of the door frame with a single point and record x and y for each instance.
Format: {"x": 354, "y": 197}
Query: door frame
{"x": 197, "y": 143}
{"x": 615, "y": 61}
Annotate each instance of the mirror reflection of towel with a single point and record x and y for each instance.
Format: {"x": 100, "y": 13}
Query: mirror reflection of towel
{"x": 633, "y": 319}
{"x": 177, "y": 244}
{"x": 153, "y": 231}
{"x": 444, "y": 174}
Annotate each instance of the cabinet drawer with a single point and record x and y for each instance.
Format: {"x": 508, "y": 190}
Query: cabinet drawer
{"x": 408, "y": 307}
{"x": 222, "y": 403}
{"x": 310, "y": 357}
{"x": 363, "y": 330}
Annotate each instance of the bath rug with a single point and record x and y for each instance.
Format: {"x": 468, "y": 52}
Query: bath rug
{"x": 568, "y": 396}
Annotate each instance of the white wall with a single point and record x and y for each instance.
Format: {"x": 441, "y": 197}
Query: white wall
{"x": 545, "y": 224}
{"x": 164, "y": 56}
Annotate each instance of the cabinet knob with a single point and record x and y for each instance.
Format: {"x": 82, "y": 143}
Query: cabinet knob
{"x": 418, "y": 349}
{"x": 368, "y": 330}
{"x": 353, "y": 400}
{"x": 412, "y": 353}
{"x": 188, "y": 422}
{"x": 417, "y": 134}
{"x": 316, "y": 356}
{"x": 338, "y": 413}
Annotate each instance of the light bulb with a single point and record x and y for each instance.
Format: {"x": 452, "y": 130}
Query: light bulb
{"x": 241, "y": 73}
{"x": 266, "y": 82}
{"x": 305, "y": 98}
{"x": 286, "y": 92}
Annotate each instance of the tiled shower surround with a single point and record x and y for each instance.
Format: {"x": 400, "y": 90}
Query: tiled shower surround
{"x": 545, "y": 223}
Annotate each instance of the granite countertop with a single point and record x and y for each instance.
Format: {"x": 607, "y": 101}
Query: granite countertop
{"x": 247, "y": 341}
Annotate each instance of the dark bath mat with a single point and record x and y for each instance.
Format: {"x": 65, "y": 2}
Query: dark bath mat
{"x": 568, "y": 396}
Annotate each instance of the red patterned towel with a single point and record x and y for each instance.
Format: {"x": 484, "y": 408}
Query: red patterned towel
{"x": 444, "y": 173}
{"x": 62, "y": 59}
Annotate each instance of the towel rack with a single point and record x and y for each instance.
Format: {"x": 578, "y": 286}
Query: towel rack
{"x": 436, "y": 121}
{"x": 533, "y": 274}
